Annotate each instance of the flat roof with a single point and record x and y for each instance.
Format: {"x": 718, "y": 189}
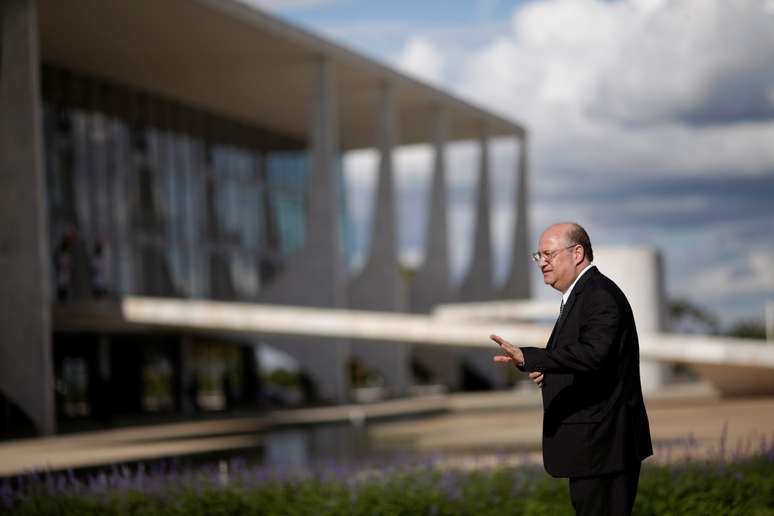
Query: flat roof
{"x": 246, "y": 319}
{"x": 234, "y": 60}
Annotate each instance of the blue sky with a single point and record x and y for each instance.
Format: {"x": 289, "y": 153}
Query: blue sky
{"x": 652, "y": 121}
{"x": 432, "y": 11}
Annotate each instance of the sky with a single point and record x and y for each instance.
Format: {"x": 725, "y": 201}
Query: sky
{"x": 651, "y": 123}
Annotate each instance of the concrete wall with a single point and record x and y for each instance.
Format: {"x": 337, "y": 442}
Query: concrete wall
{"x": 26, "y": 376}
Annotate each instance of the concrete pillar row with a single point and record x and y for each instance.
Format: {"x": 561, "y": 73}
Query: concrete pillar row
{"x": 379, "y": 286}
{"x": 478, "y": 283}
{"x": 517, "y": 284}
{"x": 26, "y": 372}
{"x": 316, "y": 274}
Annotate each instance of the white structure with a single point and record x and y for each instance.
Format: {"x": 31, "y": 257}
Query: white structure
{"x": 735, "y": 366}
{"x": 638, "y": 272}
{"x": 217, "y": 176}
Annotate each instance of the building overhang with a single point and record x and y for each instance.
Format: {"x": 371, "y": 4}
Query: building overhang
{"x": 735, "y": 366}
{"x": 246, "y": 320}
{"x": 233, "y": 60}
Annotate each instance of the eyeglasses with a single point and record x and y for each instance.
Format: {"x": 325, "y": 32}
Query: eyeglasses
{"x": 548, "y": 255}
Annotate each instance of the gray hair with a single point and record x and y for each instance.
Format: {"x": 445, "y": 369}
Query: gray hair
{"x": 577, "y": 235}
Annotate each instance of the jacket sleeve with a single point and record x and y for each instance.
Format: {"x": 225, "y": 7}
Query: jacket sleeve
{"x": 599, "y": 324}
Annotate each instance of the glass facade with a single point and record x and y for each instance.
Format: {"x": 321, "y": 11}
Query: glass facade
{"x": 150, "y": 197}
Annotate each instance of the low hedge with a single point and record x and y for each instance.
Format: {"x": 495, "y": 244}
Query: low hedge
{"x": 721, "y": 487}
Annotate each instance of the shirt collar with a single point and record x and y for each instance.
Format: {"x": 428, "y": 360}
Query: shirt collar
{"x": 566, "y": 295}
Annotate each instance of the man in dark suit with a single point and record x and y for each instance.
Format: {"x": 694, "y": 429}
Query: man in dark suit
{"x": 595, "y": 428}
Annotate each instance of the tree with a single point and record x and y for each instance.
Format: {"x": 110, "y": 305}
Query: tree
{"x": 689, "y": 317}
{"x": 747, "y": 329}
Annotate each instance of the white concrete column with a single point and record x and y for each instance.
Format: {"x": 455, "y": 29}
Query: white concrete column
{"x": 322, "y": 219}
{"x": 325, "y": 262}
{"x": 383, "y": 249}
{"x": 26, "y": 375}
{"x": 478, "y": 283}
{"x": 379, "y": 286}
{"x": 316, "y": 274}
{"x": 431, "y": 284}
{"x": 517, "y": 285}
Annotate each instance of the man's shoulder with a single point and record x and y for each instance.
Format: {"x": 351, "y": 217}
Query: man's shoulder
{"x": 597, "y": 280}
{"x": 601, "y": 287}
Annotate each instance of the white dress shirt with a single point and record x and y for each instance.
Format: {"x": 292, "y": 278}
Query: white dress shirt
{"x": 567, "y": 293}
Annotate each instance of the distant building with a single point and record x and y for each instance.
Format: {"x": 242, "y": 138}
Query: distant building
{"x": 192, "y": 149}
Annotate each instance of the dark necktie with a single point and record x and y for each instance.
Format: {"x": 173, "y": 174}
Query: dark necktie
{"x": 561, "y": 307}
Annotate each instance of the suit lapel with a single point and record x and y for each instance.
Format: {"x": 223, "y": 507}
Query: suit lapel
{"x": 576, "y": 291}
{"x": 553, "y": 334}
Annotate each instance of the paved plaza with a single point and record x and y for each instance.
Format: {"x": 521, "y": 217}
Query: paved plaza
{"x": 688, "y": 421}
{"x": 694, "y": 426}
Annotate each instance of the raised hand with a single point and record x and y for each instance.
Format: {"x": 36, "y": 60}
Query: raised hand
{"x": 512, "y": 353}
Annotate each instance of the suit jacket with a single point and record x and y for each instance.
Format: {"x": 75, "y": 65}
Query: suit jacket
{"x": 594, "y": 419}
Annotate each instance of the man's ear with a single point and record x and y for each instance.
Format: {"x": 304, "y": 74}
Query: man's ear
{"x": 579, "y": 255}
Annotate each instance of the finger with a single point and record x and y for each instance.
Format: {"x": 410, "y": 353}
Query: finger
{"x": 504, "y": 344}
{"x": 534, "y": 374}
{"x": 501, "y": 358}
{"x": 501, "y": 341}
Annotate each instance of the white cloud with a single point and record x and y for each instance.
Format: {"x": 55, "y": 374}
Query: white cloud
{"x": 693, "y": 60}
{"x": 421, "y": 59}
{"x": 644, "y": 90}
{"x": 732, "y": 279}
{"x": 613, "y": 91}
{"x": 613, "y": 87}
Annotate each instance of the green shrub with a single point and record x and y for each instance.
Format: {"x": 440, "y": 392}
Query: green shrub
{"x": 728, "y": 488}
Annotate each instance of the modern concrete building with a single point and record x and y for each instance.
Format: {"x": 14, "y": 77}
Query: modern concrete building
{"x": 192, "y": 150}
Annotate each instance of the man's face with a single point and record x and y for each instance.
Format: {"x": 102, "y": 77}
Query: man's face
{"x": 559, "y": 270}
